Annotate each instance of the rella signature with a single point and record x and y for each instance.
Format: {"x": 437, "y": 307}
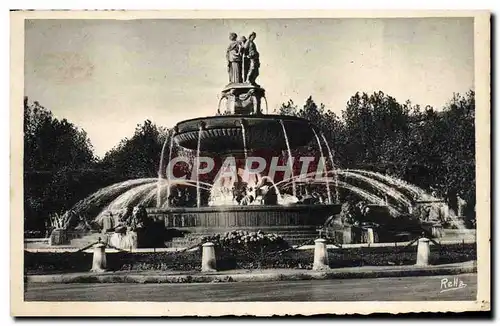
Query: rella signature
{"x": 451, "y": 284}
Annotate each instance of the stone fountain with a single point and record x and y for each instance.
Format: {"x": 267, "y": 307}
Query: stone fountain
{"x": 242, "y": 128}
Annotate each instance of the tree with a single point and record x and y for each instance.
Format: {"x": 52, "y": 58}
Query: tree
{"x": 376, "y": 129}
{"x": 139, "y": 156}
{"x": 50, "y": 146}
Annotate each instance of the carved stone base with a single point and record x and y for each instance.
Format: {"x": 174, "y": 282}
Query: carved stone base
{"x": 58, "y": 237}
{"x": 243, "y": 98}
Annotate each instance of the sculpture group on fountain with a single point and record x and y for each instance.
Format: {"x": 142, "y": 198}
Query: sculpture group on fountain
{"x": 266, "y": 192}
{"x": 181, "y": 197}
{"x": 263, "y": 194}
{"x": 243, "y": 60}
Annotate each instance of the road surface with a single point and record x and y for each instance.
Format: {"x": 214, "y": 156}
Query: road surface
{"x": 420, "y": 288}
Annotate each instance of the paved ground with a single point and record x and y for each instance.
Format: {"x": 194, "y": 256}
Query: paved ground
{"x": 420, "y": 288}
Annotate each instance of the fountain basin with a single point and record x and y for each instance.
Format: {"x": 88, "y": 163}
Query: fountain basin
{"x": 225, "y": 133}
{"x": 295, "y": 223}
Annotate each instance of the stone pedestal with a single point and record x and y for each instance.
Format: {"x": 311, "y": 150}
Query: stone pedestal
{"x": 99, "y": 259}
{"x": 369, "y": 235}
{"x": 423, "y": 252}
{"x": 243, "y": 98}
{"x": 208, "y": 262}
{"x": 320, "y": 255}
{"x": 58, "y": 237}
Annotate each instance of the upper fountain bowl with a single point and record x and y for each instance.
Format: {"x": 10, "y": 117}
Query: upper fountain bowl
{"x": 221, "y": 134}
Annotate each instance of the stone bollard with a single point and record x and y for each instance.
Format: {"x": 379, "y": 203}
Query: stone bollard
{"x": 208, "y": 258}
{"x": 423, "y": 252}
{"x": 370, "y": 236}
{"x": 320, "y": 255}
{"x": 99, "y": 260}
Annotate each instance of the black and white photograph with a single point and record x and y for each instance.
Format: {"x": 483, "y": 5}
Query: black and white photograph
{"x": 252, "y": 159}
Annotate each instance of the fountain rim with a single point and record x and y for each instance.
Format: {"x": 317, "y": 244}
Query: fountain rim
{"x": 233, "y": 208}
{"x": 275, "y": 117}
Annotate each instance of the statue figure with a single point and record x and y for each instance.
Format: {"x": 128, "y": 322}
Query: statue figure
{"x": 121, "y": 224}
{"x": 253, "y": 57}
{"x": 139, "y": 218}
{"x": 233, "y": 57}
{"x": 461, "y": 204}
{"x": 245, "y": 64}
{"x": 107, "y": 223}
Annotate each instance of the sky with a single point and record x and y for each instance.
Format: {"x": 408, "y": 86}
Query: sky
{"x": 107, "y": 76}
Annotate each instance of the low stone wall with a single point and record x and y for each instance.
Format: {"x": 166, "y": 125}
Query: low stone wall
{"x": 295, "y": 223}
{"x": 236, "y": 217}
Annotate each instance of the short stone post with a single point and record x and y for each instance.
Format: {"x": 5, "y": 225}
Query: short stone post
{"x": 423, "y": 252}
{"x": 99, "y": 260}
{"x": 370, "y": 236}
{"x": 208, "y": 258}
{"x": 320, "y": 255}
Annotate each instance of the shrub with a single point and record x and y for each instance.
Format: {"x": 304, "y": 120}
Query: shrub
{"x": 239, "y": 245}
{"x": 247, "y": 241}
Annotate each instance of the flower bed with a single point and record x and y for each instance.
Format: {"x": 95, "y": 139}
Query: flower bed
{"x": 41, "y": 263}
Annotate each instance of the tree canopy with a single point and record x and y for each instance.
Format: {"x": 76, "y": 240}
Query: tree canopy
{"x": 426, "y": 147}
{"x": 50, "y": 143}
{"x": 139, "y": 156}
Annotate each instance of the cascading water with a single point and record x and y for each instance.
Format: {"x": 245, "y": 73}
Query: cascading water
{"x": 373, "y": 199}
{"x": 416, "y": 191}
{"x": 170, "y": 168}
{"x": 290, "y": 159}
{"x": 335, "y": 176}
{"x": 382, "y": 185}
{"x": 379, "y": 186}
{"x": 420, "y": 194}
{"x": 328, "y": 191}
{"x": 136, "y": 196}
{"x": 162, "y": 172}
{"x": 92, "y": 205}
{"x": 243, "y": 133}
{"x": 371, "y": 186}
{"x": 197, "y": 159}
